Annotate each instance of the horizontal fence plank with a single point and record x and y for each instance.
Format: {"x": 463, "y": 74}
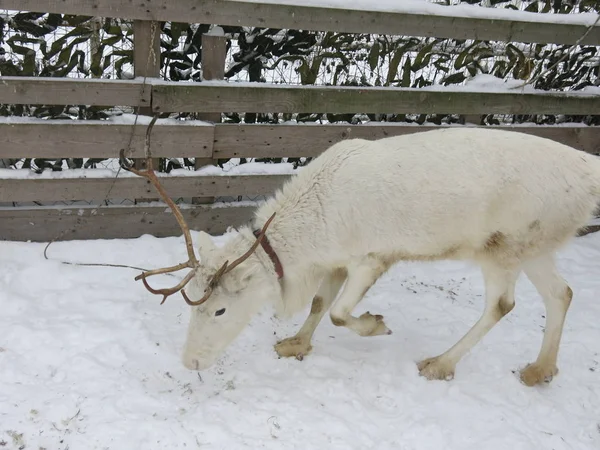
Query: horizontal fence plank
{"x": 523, "y": 28}
{"x": 96, "y": 189}
{"x": 72, "y": 91}
{"x": 101, "y": 139}
{"x": 262, "y": 98}
{"x": 274, "y": 141}
{"x": 67, "y": 224}
{"x": 46, "y": 224}
{"x": 259, "y": 97}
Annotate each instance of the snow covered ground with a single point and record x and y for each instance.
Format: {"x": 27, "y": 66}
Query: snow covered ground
{"x": 90, "y": 360}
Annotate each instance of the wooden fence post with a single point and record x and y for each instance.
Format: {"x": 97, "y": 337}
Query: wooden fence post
{"x": 473, "y": 119}
{"x": 146, "y": 63}
{"x": 214, "y": 54}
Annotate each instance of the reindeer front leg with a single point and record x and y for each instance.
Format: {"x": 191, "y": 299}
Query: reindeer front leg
{"x": 361, "y": 277}
{"x": 299, "y": 345}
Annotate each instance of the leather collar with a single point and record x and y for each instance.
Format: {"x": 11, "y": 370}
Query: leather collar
{"x": 269, "y": 251}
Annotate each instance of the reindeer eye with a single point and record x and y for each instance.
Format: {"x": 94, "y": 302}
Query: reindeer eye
{"x": 220, "y": 312}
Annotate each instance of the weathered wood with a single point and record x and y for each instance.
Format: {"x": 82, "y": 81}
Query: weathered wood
{"x": 214, "y": 54}
{"x": 146, "y": 63}
{"x": 146, "y": 50}
{"x": 70, "y": 91}
{"x": 275, "y": 141}
{"x": 268, "y": 15}
{"x": 261, "y": 98}
{"x": 93, "y": 189}
{"x": 101, "y": 139}
{"x": 45, "y": 224}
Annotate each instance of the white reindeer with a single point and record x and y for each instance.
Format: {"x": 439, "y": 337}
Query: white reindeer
{"x": 504, "y": 200}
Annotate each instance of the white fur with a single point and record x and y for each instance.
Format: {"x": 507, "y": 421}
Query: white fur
{"x": 502, "y": 199}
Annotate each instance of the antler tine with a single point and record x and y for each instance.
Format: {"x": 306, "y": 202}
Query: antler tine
{"x": 199, "y": 302}
{"x": 167, "y": 292}
{"x": 164, "y": 270}
{"x": 254, "y": 246}
{"x": 179, "y": 217}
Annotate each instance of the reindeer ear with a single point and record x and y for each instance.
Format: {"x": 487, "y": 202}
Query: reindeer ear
{"x": 247, "y": 271}
{"x": 205, "y": 243}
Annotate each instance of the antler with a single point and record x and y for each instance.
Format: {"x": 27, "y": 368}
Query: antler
{"x": 192, "y": 261}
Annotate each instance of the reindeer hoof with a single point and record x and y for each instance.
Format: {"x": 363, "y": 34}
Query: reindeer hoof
{"x": 535, "y": 373}
{"x": 373, "y": 325}
{"x": 436, "y": 369}
{"x": 293, "y": 347}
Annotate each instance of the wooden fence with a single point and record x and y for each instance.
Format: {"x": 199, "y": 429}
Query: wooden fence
{"x": 208, "y": 141}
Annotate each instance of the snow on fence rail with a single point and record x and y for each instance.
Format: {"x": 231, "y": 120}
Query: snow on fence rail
{"x": 207, "y": 141}
{"x": 405, "y": 17}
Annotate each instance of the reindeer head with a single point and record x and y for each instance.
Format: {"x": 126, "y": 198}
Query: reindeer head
{"x": 224, "y": 295}
{"x": 236, "y": 294}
